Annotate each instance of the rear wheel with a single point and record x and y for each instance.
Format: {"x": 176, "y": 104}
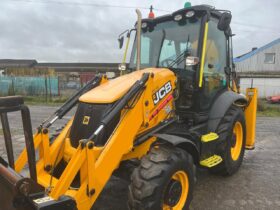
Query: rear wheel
{"x": 164, "y": 180}
{"x": 232, "y": 130}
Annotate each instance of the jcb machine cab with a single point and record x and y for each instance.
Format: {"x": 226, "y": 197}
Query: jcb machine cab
{"x": 176, "y": 108}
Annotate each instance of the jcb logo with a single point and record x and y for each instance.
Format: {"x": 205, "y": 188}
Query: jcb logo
{"x": 162, "y": 92}
{"x": 86, "y": 120}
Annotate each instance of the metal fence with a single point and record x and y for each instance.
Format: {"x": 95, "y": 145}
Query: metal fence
{"x": 29, "y": 86}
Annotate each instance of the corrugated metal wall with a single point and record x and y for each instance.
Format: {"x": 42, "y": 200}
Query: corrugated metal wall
{"x": 31, "y": 86}
{"x": 256, "y": 62}
{"x": 267, "y": 78}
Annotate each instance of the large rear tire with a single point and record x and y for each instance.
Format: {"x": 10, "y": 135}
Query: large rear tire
{"x": 232, "y": 131}
{"x": 164, "y": 180}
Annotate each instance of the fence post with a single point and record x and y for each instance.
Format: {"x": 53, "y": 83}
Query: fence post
{"x": 46, "y": 88}
{"x": 50, "y": 85}
{"x": 13, "y": 85}
{"x": 58, "y": 85}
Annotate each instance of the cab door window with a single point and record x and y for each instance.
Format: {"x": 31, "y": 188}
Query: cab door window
{"x": 214, "y": 78}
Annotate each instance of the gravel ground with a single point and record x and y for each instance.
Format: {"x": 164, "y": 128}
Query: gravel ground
{"x": 255, "y": 186}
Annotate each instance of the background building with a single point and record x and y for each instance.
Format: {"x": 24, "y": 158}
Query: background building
{"x": 261, "y": 67}
{"x": 28, "y": 77}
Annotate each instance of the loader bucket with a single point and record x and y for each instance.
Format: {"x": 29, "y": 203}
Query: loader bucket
{"x": 16, "y": 190}
{"x": 19, "y": 193}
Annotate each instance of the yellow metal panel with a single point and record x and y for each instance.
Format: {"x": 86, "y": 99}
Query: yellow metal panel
{"x": 56, "y": 151}
{"x": 69, "y": 151}
{"x": 251, "y": 115}
{"x": 203, "y": 55}
{"x": 69, "y": 173}
{"x": 46, "y": 149}
{"x": 44, "y": 179}
{"x": 97, "y": 164}
{"x": 140, "y": 151}
{"x": 84, "y": 172}
{"x": 112, "y": 91}
{"x": 22, "y": 159}
{"x": 120, "y": 143}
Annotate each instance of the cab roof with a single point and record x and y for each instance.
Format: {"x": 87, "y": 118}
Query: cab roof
{"x": 202, "y": 9}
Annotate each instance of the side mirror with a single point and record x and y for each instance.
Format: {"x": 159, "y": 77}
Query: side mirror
{"x": 121, "y": 39}
{"x": 224, "y": 21}
{"x": 192, "y": 61}
{"x": 122, "y": 67}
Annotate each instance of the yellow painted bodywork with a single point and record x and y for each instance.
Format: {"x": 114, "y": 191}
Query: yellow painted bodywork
{"x": 112, "y": 91}
{"x": 96, "y": 164}
{"x": 251, "y": 117}
{"x": 203, "y": 55}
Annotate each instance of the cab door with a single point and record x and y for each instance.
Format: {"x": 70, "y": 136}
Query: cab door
{"x": 214, "y": 78}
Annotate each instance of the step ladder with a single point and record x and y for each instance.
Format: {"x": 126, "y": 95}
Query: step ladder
{"x": 209, "y": 137}
{"x": 211, "y": 161}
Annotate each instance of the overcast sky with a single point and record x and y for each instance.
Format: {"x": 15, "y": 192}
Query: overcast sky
{"x": 59, "y": 32}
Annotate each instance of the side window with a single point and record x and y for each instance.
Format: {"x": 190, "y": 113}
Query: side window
{"x": 145, "y": 50}
{"x": 215, "y": 62}
{"x": 269, "y": 58}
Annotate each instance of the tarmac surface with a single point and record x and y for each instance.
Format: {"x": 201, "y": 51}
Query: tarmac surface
{"x": 255, "y": 186}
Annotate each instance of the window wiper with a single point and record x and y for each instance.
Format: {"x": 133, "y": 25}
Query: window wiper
{"x": 161, "y": 44}
{"x": 178, "y": 60}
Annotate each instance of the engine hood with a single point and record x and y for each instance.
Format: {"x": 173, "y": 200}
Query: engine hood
{"x": 113, "y": 90}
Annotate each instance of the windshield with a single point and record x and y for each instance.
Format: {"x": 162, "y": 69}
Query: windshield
{"x": 167, "y": 41}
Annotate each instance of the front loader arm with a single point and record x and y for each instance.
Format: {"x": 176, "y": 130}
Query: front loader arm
{"x": 99, "y": 165}
{"x": 22, "y": 193}
{"x": 92, "y": 161}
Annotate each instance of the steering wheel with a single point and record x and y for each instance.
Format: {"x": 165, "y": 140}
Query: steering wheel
{"x": 166, "y": 62}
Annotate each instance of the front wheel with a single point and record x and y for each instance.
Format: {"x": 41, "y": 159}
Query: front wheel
{"x": 232, "y": 131}
{"x": 164, "y": 180}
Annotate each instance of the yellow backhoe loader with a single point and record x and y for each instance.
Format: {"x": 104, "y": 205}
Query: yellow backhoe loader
{"x": 176, "y": 107}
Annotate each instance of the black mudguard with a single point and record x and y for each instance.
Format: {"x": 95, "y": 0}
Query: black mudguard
{"x": 220, "y": 107}
{"x": 183, "y": 143}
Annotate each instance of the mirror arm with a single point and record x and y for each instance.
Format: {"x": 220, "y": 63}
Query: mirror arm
{"x": 126, "y": 49}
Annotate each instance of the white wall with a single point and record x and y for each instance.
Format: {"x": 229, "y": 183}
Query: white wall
{"x": 266, "y": 86}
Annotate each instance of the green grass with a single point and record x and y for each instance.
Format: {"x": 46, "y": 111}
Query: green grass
{"x": 268, "y": 110}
